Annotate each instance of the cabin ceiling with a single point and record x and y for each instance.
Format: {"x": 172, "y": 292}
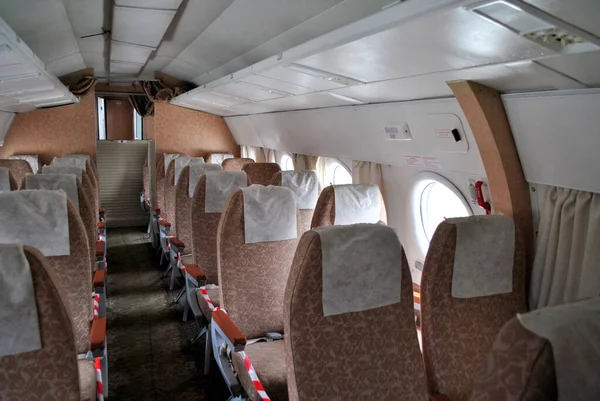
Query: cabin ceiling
{"x": 192, "y": 40}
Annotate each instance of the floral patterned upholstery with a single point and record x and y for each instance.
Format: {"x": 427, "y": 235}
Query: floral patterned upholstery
{"x": 268, "y": 360}
{"x": 215, "y": 299}
{"x": 183, "y": 209}
{"x": 87, "y": 380}
{"x": 260, "y": 173}
{"x": 75, "y": 279}
{"x": 372, "y": 354}
{"x": 48, "y": 374}
{"x": 169, "y": 194}
{"x": 252, "y": 276}
{"x": 306, "y": 215}
{"x": 519, "y": 367}
{"x": 18, "y": 168}
{"x": 13, "y": 182}
{"x": 458, "y": 333}
{"x": 160, "y": 182}
{"x": 235, "y": 164}
{"x": 94, "y": 183}
{"x": 145, "y": 178}
{"x": 204, "y": 234}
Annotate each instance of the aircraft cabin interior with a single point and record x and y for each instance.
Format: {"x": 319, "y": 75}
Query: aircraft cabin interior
{"x": 304, "y": 200}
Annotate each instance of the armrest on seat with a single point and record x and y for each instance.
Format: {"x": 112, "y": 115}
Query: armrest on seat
{"x": 100, "y": 247}
{"x": 101, "y": 225}
{"x": 102, "y": 210}
{"x": 164, "y": 223}
{"x": 98, "y": 335}
{"x": 439, "y": 397}
{"x": 227, "y": 327}
{"x": 99, "y": 278}
{"x": 176, "y": 242}
{"x": 195, "y": 272}
{"x": 156, "y": 210}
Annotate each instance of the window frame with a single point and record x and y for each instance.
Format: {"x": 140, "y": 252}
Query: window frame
{"x": 332, "y": 164}
{"x": 420, "y": 184}
{"x": 280, "y": 161}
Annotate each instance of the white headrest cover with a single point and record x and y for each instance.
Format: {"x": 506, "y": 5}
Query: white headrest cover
{"x": 217, "y": 158}
{"x": 484, "y": 256}
{"x": 56, "y": 169}
{"x": 4, "y": 179}
{"x": 168, "y": 157}
{"x": 19, "y": 327}
{"x": 56, "y": 182}
{"x": 270, "y": 214}
{"x": 362, "y": 267}
{"x": 37, "y": 218}
{"x": 70, "y": 161}
{"x": 357, "y": 204}
{"x": 33, "y": 161}
{"x": 87, "y": 158}
{"x": 219, "y": 186}
{"x": 304, "y": 184}
{"x": 183, "y": 161}
{"x": 197, "y": 171}
{"x": 573, "y": 330}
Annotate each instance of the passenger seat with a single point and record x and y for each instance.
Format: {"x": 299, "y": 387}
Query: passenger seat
{"x": 18, "y": 168}
{"x": 38, "y": 359}
{"x": 473, "y": 282}
{"x": 255, "y": 254}
{"x": 341, "y": 343}
{"x": 236, "y": 163}
{"x": 305, "y": 185}
{"x": 349, "y": 204}
{"x": 7, "y": 180}
{"x": 261, "y": 173}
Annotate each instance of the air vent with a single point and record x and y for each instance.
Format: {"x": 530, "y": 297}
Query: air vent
{"x": 536, "y": 25}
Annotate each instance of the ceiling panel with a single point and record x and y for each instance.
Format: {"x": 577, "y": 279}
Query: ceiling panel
{"x": 124, "y": 68}
{"x": 249, "y": 91}
{"x": 581, "y": 13}
{"x": 460, "y": 39}
{"x": 309, "y": 101}
{"x": 120, "y": 51}
{"x": 297, "y": 78}
{"x": 583, "y": 67}
{"x": 161, "y": 4}
{"x": 66, "y": 65}
{"x": 144, "y": 27}
{"x": 181, "y": 69}
{"x": 215, "y": 99}
{"x": 505, "y": 78}
{"x": 277, "y": 85}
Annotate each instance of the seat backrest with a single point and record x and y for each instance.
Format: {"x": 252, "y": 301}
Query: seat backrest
{"x": 82, "y": 162}
{"x": 252, "y": 275}
{"x": 48, "y": 373}
{"x": 205, "y": 220}
{"x": 218, "y": 158}
{"x": 235, "y": 163}
{"x": 7, "y": 180}
{"x": 18, "y": 168}
{"x": 47, "y": 232}
{"x": 305, "y": 185}
{"x": 338, "y": 330}
{"x": 160, "y": 181}
{"x": 261, "y": 173}
{"x": 169, "y": 196}
{"x": 521, "y": 358}
{"x": 33, "y": 161}
{"x": 349, "y": 204}
{"x": 183, "y": 199}
{"x": 473, "y": 282}
{"x": 145, "y": 178}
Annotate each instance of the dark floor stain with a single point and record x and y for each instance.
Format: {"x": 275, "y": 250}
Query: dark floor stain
{"x": 150, "y": 356}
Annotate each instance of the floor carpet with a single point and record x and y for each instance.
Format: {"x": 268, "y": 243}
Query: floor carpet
{"x": 150, "y": 356}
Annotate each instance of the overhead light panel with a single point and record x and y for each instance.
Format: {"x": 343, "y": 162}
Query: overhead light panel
{"x": 328, "y": 76}
{"x": 536, "y": 25}
{"x": 346, "y": 98}
{"x": 20, "y": 77}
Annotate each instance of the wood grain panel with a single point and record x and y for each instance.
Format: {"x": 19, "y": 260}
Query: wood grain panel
{"x": 54, "y": 131}
{"x": 509, "y": 190}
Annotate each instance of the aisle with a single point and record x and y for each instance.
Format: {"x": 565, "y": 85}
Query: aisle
{"x": 149, "y": 355}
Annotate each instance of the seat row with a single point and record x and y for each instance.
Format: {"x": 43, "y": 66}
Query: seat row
{"x": 327, "y": 313}
{"x": 52, "y": 226}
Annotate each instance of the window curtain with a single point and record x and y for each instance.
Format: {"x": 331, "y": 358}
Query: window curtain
{"x": 304, "y": 162}
{"x": 255, "y": 153}
{"x": 566, "y": 265}
{"x": 370, "y": 173}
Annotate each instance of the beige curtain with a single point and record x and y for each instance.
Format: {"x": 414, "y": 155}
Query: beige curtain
{"x": 567, "y": 260}
{"x": 304, "y": 162}
{"x": 255, "y": 153}
{"x": 370, "y": 173}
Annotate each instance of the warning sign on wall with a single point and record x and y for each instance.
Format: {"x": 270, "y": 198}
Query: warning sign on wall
{"x": 414, "y": 161}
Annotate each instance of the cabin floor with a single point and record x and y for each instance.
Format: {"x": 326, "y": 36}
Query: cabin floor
{"x": 150, "y": 355}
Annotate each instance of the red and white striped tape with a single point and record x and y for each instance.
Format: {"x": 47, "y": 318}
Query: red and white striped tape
{"x": 96, "y": 298}
{"x": 255, "y": 381}
{"x": 99, "y": 387}
{"x": 180, "y": 262}
{"x": 207, "y": 299}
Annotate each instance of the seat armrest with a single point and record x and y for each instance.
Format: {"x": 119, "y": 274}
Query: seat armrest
{"x": 195, "y": 272}
{"x": 100, "y": 248}
{"x": 101, "y": 225}
{"x": 164, "y": 223}
{"x": 176, "y": 242}
{"x": 227, "y": 327}
{"x": 98, "y": 335}
{"x": 102, "y": 210}
{"x": 439, "y": 397}
{"x": 156, "y": 210}
{"x": 99, "y": 278}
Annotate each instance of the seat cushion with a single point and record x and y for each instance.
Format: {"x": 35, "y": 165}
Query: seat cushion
{"x": 215, "y": 298}
{"x": 87, "y": 380}
{"x": 268, "y": 359}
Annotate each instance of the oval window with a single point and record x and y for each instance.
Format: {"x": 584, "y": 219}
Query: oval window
{"x": 286, "y": 163}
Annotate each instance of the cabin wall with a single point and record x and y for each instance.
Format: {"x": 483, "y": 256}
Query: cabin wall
{"x": 192, "y": 132}
{"x": 148, "y": 128}
{"x": 54, "y": 131}
{"x": 119, "y": 120}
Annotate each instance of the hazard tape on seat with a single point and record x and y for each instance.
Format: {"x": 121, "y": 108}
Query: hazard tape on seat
{"x": 207, "y": 299}
{"x": 99, "y": 387}
{"x": 96, "y": 298}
